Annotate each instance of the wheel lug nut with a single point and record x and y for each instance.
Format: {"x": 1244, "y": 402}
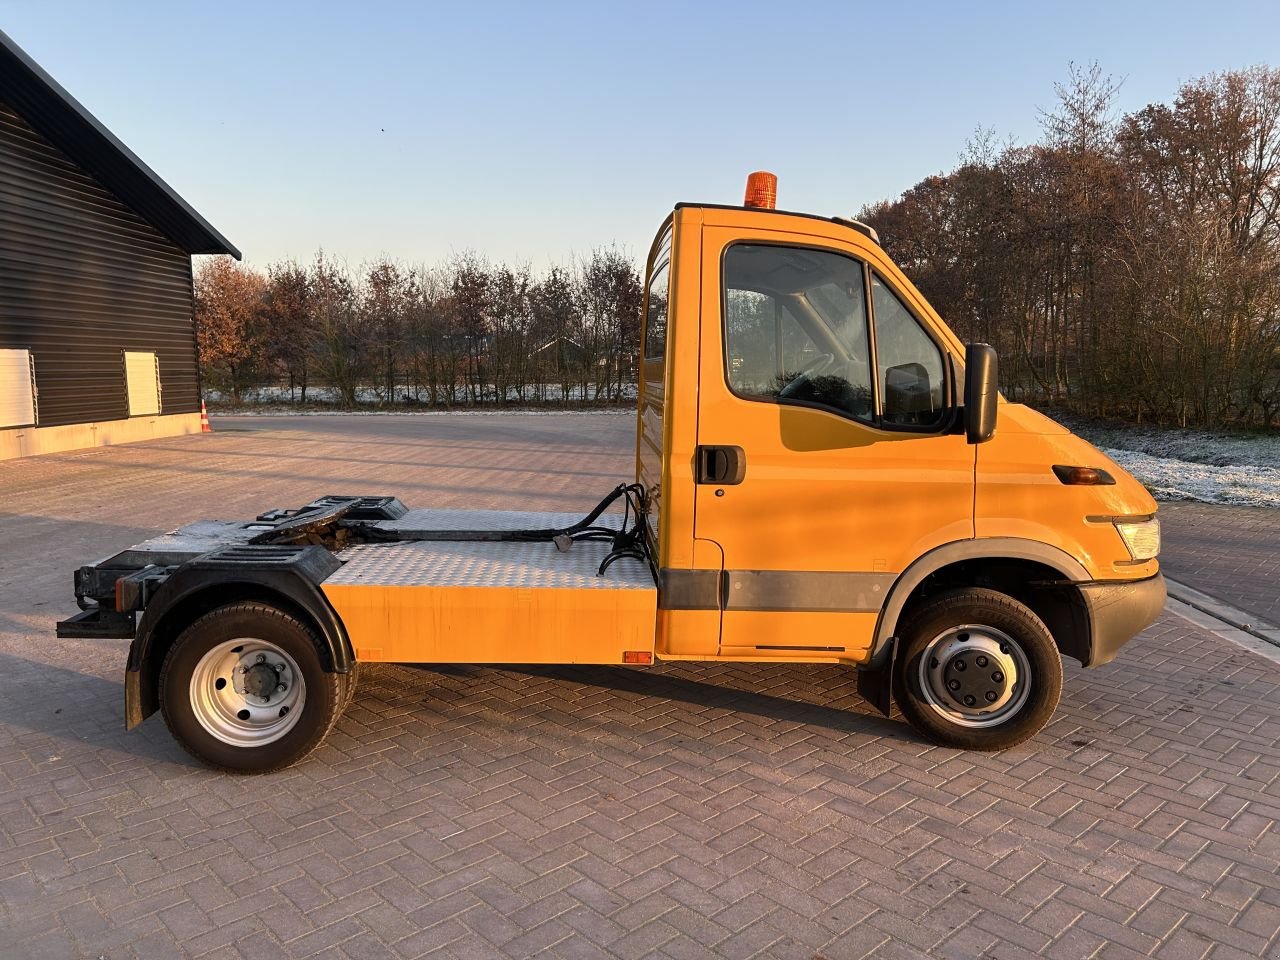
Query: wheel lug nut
{"x": 282, "y": 688}
{"x": 262, "y": 658}
{"x": 959, "y": 664}
{"x": 969, "y": 701}
{"x": 982, "y": 661}
{"x": 991, "y": 696}
{"x": 998, "y": 677}
{"x": 954, "y": 684}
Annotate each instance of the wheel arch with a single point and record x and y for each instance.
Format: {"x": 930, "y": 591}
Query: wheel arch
{"x": 1030, "y": 571}
{"x": 191, "y": 593}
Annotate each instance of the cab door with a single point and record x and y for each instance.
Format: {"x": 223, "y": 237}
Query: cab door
{"x": 825, "y": 463}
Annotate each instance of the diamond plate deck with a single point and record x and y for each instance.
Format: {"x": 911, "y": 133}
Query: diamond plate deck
{"x": 183, "y": 544}
{"x": 453, "y": 564}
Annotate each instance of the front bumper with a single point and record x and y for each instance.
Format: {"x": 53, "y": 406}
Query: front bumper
{"x": 1119, "y": 611}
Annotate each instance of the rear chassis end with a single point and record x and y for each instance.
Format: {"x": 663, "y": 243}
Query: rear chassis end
{"x": 114, "y": 591}
{"x": 423, "y": 566}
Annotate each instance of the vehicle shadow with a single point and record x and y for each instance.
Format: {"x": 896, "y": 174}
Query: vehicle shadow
{"x": 715, "y": 686}
{"x": 78, "y": 716}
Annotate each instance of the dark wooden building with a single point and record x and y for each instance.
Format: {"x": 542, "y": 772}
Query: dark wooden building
{"x": 97, "y": 337}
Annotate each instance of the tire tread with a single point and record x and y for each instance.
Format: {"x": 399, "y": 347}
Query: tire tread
{"x": 336, "y": 693}
{"x": 1048, "y": 680}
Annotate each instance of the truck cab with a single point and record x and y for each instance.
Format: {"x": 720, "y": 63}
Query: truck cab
{"x": 824, "y": 473}
{"x": 818, "y": 490}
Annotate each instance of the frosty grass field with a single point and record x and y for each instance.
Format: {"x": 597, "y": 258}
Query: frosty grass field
{"x": 1172, "y": 479}
{"x": 1196, "y": 465}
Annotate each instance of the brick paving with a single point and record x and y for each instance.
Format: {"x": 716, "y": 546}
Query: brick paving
{"x": 1232, "y": 553}
{"x": 683, "y": 811}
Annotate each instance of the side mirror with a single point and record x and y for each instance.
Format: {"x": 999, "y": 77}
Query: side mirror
{"x": 981, "y": 386}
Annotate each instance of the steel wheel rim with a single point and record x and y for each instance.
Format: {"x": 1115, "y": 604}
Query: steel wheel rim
{"x": 956, "y": 672}
{"x": 234, "y": 699}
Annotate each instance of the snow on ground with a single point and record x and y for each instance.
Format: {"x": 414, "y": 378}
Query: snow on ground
{"x": 1170, "y": 479}
{"x": 283, "y": 411}
{"x": 547, "y": 393}
{"x": 1191, "y": 446}
{"x": 1239, "y": 468}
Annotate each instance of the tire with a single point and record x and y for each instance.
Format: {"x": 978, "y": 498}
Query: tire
{"x": 243, "y": 689}
{"x": 349, "y": 689}
{"x": 976, "y": 670}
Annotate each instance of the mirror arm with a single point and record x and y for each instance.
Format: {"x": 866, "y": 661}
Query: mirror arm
{"x": 955, "y": 378}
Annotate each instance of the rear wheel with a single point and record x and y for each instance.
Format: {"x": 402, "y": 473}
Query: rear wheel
{"x": 977, "y": 670}
{"x": 350, "y": 680}
{"x": 243, "y": 689}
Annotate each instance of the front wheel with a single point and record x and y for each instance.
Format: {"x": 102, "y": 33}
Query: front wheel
{"x": 977, "y": 670}
{"x": 243, "y": 689}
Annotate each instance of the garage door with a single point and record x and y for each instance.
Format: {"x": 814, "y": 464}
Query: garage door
{"x": 142, "y": 372}
{"x": 17, "y": 389}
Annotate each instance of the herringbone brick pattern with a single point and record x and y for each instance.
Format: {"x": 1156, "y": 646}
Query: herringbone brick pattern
{"x": 1232, "y": 553}
{"x": 682, "y": 811}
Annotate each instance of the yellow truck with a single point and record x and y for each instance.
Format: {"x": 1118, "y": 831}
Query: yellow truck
{"x": 824, "y": 474}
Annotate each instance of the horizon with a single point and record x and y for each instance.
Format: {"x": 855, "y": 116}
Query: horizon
{"x": 532, "y": 141}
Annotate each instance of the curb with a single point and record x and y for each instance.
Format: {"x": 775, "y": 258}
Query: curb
{"x": 1224, "y": 620}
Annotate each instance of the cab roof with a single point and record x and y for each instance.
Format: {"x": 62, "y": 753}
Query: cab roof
{"x": 856, "y": 225}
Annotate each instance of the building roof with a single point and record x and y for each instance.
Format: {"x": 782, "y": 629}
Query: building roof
{"x": 64, "y": 122}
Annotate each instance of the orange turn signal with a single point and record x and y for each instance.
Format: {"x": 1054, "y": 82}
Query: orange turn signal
{"x": 1084, "y": 476}
{"x": 762, "y": 190}
{"x": 637, "y": 656}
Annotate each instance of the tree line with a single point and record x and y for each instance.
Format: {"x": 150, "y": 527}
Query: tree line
{"x": 1122, "y": 266}
{"x": 467, "y": 332}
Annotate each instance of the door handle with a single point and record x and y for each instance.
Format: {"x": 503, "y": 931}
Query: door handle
{"x": 722, "y": 465}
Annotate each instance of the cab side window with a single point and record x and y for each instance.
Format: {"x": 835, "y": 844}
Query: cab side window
{"x": 796, "y": 328}
{"x": 655, "y": 320}
{"x": 908, "y": 362}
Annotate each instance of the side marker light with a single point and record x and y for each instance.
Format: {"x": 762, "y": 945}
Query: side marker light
{"x": 1084, "y": 476}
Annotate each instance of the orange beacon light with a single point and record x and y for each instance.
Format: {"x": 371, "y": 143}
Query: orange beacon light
{"x": 762, "y": 190}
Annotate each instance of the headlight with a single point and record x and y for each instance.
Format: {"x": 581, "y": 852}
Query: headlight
{"x": 1142, "y": 537}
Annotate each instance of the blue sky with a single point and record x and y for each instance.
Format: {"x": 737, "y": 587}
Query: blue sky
{"x": 532, "y": 132}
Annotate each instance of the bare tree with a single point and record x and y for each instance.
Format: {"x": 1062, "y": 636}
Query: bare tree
{"x": 229, "y": 309}
{"x": 510, "y": 317}
{"x": 470, "y": 300}
{"x": 340, "y": 344}
{"x": 1126, "y": 266}
{"x": 610, "y": 295}
{"x": 387, "y": 290}
{"x": 554, "y": 322}
{"x": 287, "y": 330}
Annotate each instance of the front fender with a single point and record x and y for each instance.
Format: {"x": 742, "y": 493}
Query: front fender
{"x": 984, "y": 548}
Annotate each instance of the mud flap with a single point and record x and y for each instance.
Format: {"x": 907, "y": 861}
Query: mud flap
{"x": 133, "y": 713}
{"x": 875, "y": 681}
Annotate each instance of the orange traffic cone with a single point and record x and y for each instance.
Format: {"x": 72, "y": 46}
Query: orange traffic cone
{"x": 204, "y": 419}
